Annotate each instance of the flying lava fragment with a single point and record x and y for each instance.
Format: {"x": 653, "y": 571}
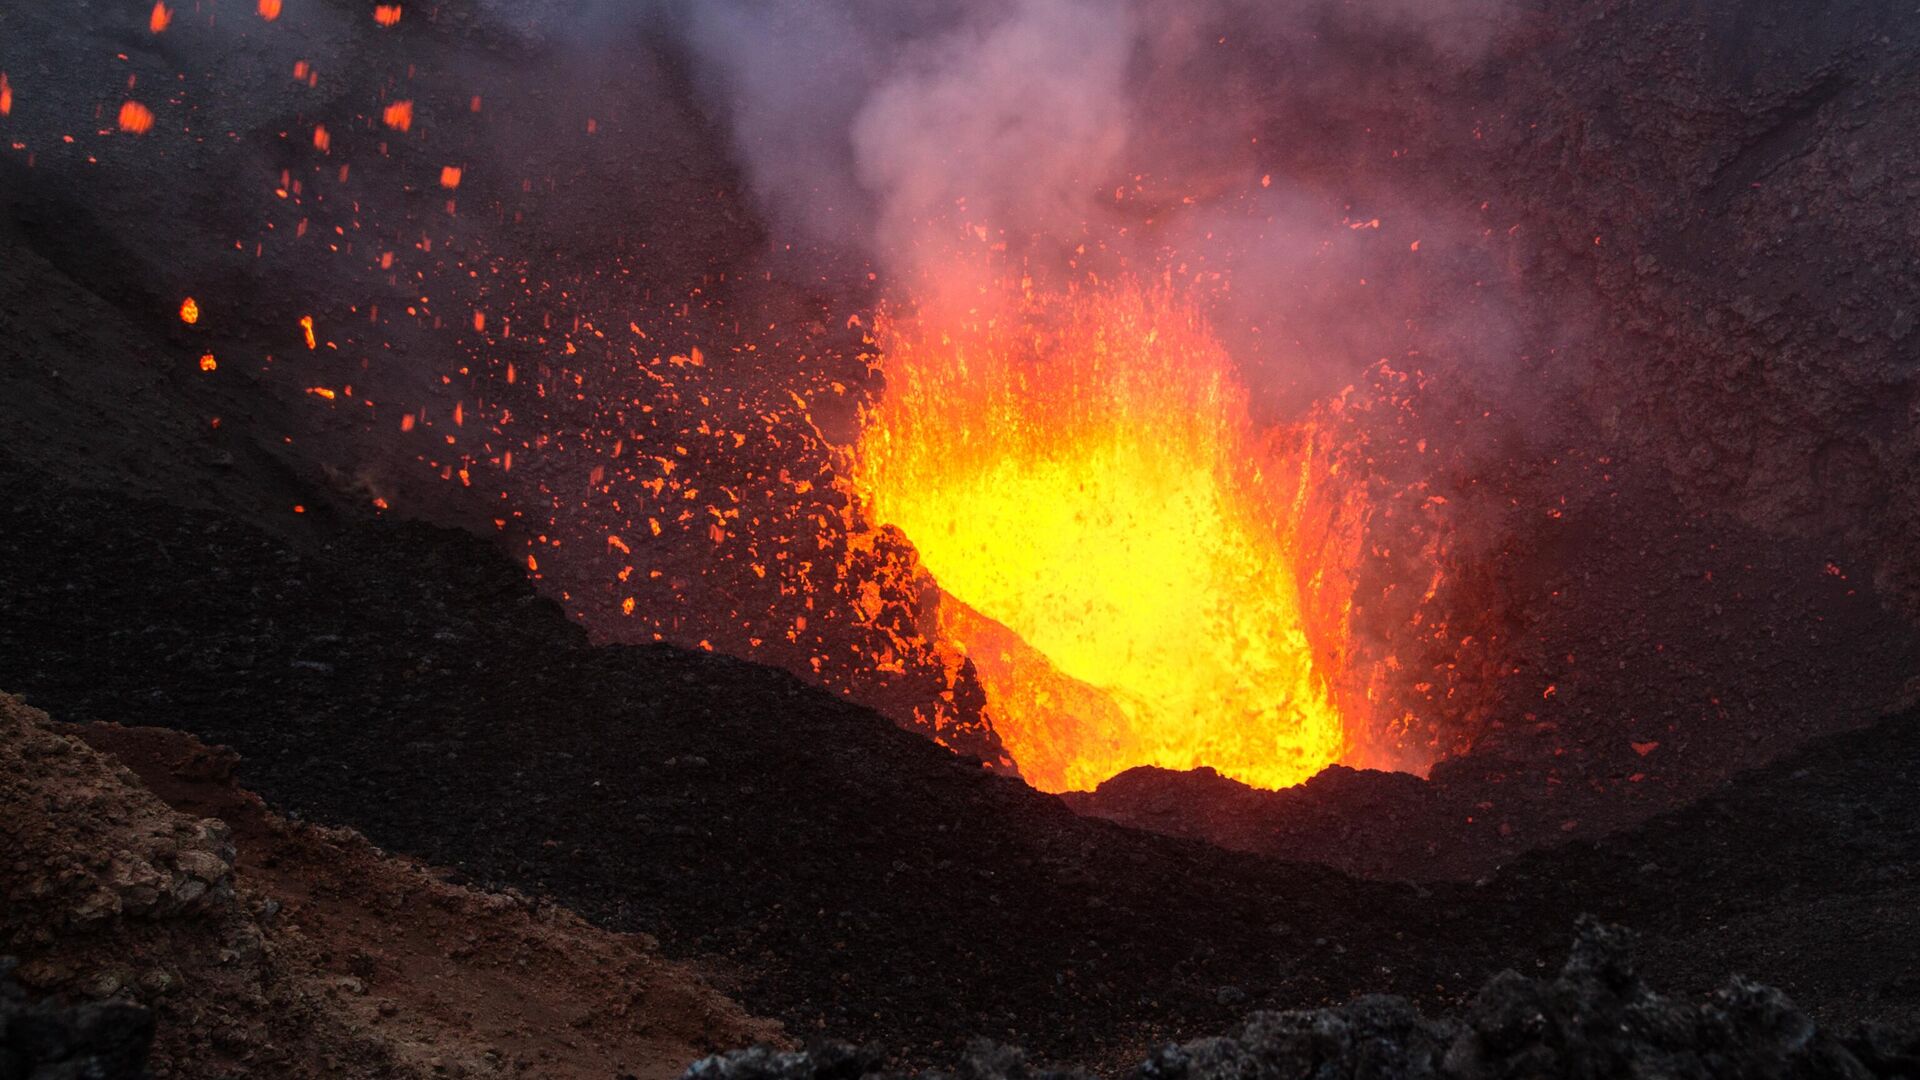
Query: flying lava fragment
{"x": 189, "y": 311}
{"x": 136, "y": 118}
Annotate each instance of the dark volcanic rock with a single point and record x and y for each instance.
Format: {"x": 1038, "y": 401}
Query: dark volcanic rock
{"x": 1596, "y": 1019}
{"x": 982, "y": 1060}
{"x": 823, "y": 1061}
{"x": 93, "y": 1041}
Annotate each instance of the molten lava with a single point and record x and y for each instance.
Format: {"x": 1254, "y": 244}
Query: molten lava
{"x": 1119, "y": 550}
{"x": 136, "y": 118}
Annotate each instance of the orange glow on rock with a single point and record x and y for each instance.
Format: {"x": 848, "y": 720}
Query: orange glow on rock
{"x": 1130, "y": 565}
{"x": 136, "y": 118}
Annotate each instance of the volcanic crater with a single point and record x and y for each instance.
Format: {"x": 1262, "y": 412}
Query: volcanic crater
{"x": 865, "y": 528}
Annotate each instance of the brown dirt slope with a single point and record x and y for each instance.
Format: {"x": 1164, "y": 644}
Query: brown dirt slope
{"x": 271, "y": 947}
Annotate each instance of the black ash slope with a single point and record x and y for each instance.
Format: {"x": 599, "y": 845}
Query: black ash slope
{"x": 865, "y": 883}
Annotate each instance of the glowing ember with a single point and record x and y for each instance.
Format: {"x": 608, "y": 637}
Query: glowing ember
{"x": 1084, "y": 474}
{"x": 160, "y": 19}
{"x": 136, "y": 118}
{"x": 398, "y": 116}
{"x": 208, "y": 363}
{"x": 449, "y": 177}
{"x": 189, "y": 311}
{"x": 269, "y": 9}
{"x": 6, "y": 95}
{"x": 322, "y": 141}
{"x": 386, "y": 14}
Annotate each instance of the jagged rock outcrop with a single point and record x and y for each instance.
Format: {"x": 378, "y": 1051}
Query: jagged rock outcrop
{"x": 91, "y": 1041}
{"x": 232, "y": 942}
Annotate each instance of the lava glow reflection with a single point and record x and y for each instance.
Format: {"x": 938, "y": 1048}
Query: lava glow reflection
{"x": 1119, "y": 551}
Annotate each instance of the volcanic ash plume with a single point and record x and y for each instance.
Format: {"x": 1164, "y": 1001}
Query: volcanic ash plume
{"x": 1138, "y": 573}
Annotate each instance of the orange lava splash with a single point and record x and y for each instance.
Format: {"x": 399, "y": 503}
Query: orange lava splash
{"x": 135, "y": 118}
{"x": 1120, "y": 552}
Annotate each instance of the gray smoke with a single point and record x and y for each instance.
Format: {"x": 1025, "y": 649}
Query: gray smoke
{"x": 882, "y": 122}
{"x": 1009, "y": 126}
{"x": 915, "y": 134}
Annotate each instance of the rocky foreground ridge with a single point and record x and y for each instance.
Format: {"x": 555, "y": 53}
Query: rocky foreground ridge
{"x": 1597, "y": 1018}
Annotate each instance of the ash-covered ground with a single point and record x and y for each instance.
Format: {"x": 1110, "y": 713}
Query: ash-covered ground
{"x": 1682, "y": 643}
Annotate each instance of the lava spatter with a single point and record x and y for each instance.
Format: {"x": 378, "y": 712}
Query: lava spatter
{"x": 1116, "y": 543}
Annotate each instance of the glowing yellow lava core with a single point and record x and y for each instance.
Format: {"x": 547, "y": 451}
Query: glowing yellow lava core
{"x": 1083, "y": 474}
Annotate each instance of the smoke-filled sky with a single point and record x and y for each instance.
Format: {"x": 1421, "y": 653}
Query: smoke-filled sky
{"x": 886, "y": 128}
{"x": 878, "y": 121}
